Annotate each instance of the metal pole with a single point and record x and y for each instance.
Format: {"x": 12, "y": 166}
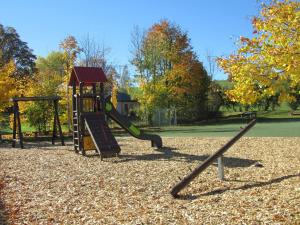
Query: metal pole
{"x": 186, "y": 180}
{"x": 221, "y": 167}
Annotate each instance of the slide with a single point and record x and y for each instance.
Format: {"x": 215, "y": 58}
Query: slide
{"x": 103, "y": 139}
{"x": 124, "y": 122}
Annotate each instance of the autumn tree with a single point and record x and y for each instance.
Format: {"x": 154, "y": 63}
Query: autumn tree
{"x": 47, "y": 81}
{"x": 114, "y": 94}
{"x": 13, "y": 48}
{"x": 70, "y": 52}
{"x": 168, "y": 70}
{"x": 267, "y": 64}
{"x": 7, "y": 84}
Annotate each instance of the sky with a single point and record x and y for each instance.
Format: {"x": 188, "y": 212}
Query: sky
{"x": 212, "y": 25}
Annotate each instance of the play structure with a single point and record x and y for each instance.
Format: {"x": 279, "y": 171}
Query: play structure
{"x": 90, "y": 111}
{"x": 217, "y": 155}
{"x": 17, "y": 128}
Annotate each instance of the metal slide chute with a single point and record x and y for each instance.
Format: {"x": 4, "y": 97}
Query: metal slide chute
{"x": 124, "y": 122}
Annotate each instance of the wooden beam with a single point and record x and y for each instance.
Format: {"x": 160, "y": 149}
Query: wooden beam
{"x": 35, "y": 98}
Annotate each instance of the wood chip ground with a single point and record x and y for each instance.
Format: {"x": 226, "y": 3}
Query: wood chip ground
{"x": 43, "y": 184}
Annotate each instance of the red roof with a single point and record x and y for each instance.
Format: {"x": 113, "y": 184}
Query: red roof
{"x": 88, "y": 75}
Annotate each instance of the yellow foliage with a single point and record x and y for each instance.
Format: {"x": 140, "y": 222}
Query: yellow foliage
{"x": 9, "y": 85}
{"x": 268, "y": 63}
{"x": 114, "y": 95}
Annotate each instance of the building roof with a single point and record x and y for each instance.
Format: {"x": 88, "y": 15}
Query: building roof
{"x": 123, "y": 97}
{"x": 88, "y": 75}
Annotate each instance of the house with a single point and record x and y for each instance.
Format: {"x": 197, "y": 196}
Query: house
{"x": 126, "y": 105}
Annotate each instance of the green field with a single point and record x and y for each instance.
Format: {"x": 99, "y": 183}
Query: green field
{"x": 263, "y": 128}
{"x": 277, "y": 123}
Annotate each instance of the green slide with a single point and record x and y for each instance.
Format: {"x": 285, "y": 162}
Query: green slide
{"x": 124, "y": 122}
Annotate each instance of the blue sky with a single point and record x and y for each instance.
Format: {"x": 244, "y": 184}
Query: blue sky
{"x": 212, "y": 25}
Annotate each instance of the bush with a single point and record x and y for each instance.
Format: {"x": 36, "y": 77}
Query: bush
{"x": 38, "y": 115}
{"x": 295, "y": 104}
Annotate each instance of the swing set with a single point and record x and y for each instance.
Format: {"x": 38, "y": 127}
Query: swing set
{"x": 17, "y": 128}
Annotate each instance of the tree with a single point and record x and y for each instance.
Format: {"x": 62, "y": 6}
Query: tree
{"x": 268, "y": 64}
{"x": 93, "y": 54}
{"x": 7, "y": 84}
{"x": 70, "y": 51}
{"x": 215, "y": 98}
{"x": 125, "y": 80}
{"x": 211, "y": 64}
{"x": 47, "y": 81}
{"x": 13, "y": 48}
{"x": 168, "y": 71}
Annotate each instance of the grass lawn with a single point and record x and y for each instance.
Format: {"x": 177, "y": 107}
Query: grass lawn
{"x": 5, "y": 128}
{"x": 277, "y": 123}
{"x": 263, "y": 128}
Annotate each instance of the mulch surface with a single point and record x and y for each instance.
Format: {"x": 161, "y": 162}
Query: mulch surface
{"x": 43, "y": 184}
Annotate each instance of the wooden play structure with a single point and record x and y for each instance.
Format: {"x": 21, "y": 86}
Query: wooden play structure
{"x": 90, "y": 111}
{"x": 218, "y": 155}
{"x": 17, "y": 128}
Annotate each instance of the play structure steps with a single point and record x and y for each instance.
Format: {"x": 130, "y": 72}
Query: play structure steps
{"x": 75, "y": 131}
{"x": 104, "y": 141}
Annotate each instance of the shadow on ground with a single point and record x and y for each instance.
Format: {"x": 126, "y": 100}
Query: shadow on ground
{"x": 243, "y": 187}
{"x": 169, "y": 154}
{"x": 40, "y": 144}
{"x": 3, "y": 209}
{"x": 3, "y": 213}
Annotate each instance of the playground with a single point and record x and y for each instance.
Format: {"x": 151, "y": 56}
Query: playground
{"x": 188, "y": 177}
{"x": 150, "y": 112}
{"x": 47, "y": 184}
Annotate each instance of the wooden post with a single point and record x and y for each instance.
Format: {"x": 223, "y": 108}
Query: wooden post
{"x": 19, "y": 125}
{"x": 73, "y": 96}
{"x": 186, "y": 180}
{"x": 54, "y": 125}
{"x": 58, "y": 122}
{"x": 94, "y": 98}
{"x": 78, "y": 125}
{"x": 15, "y": 125}
{"x": 81, "y": 124}
{"x": 221, "y": 167}
{"x": 102, "y": 97}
